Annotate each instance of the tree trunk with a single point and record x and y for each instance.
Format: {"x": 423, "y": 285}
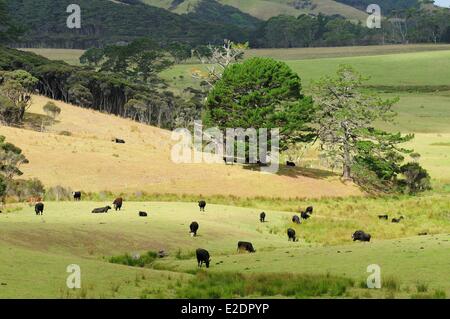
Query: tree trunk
{"x": 346, "y": 174}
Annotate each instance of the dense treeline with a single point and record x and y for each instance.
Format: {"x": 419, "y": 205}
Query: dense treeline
{"x": 309, "y": 31}
{"x": 106, "y": 22}
{"x": 103, "y": 90}
{"x": 411, "y": 25}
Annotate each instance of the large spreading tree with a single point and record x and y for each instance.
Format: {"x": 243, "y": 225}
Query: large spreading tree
{"x": 346, "y": 117}
{"x": 261, "y": 93}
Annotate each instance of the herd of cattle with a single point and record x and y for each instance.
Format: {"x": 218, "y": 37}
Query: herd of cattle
{"x": 203, "y": 256}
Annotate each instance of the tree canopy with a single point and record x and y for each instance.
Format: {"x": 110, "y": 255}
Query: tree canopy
{"x": 260, "y": 93}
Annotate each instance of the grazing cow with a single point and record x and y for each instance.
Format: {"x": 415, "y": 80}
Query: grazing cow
{"x": 296, "y": 219}
{"x": 243, "y": 245}
{"x": 397, "y": 220}
{"x": 262, "y": 217}
{"x": 101, "y": 210}
{"x": 39, "y": 208}
{"x": 118, "y": 203}
{"x": 202, "y": 257}
{"x": 118, "y": 141}
{"x": 361, "y": 236}
{"x": 423, "y": 234}
{"x": 289, "y": 163}
{"x": 309, "y": 210}
{"x": 385, "y": 217}
{"x": 291, "y": 235}
{"x": 76, "y": 195}
{"x": 202, "y": 205}
{"x": 304, "y": 215}
{"x": 142, "y": 214}
{"x": 194, "y": 227}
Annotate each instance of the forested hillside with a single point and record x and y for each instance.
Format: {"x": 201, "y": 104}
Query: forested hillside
{"x": 210, "y": 22}
{"x": 105, "y": 22}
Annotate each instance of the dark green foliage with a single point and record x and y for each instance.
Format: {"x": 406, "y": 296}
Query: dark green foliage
{"x": 416, "y": 179}
{"x": 105, "y": 91}
{"x": 3, "y": 186}
{"x": 106, "y": 22}
{"x": 9, "y": 30}
{"x": 309, "y": 31}
{"x": 207, "y": 285}
{"x": 9, "y": 113}
{"x": 135, "y": 261}
{"x": 260, "y": 93}
{"x": 11, "y": 158}
{"x": 213, "y": 11}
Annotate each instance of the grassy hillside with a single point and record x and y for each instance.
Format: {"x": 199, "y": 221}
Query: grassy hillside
{"x": 416, "y": 68}
{"x": 265, "y": 9}
{"x": 37, "y": 249}
{"x": 144, "y": 162}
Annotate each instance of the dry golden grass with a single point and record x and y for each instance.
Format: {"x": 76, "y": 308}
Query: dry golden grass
{"x": 88, "y": 160}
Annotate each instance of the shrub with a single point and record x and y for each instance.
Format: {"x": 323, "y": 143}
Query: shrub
{"x": 52, "y": 110}
{"x": 26, "y": 188}
{"x": 232, "y": 285}
{"x": 135, "y": 261}
{"x": 391, "y": 283}
{"x": 416, "y": 179}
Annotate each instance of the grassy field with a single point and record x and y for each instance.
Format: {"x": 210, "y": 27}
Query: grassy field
{"x": 87, "y": 160}
{"x": 324, "y": 263}
{"x": 35, "y": 250}
{"x": 399, "y": 70}
{"x": 70, "y": 56}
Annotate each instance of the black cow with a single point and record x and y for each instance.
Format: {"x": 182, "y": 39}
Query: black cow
{"x": 296, "y": 219}
{"x": 385, "y": 217}
{"x": 304, "y": 215}
{"x": 39, "y": 208}
{"x": 118, "y": 141}
{"x": 203, "y": 257}
{"x": 289, "y": 163}
{"x": 202, "y": 205}
{"x": 361, "y": 236}
{"x": 262, "y": 217}
{"x": 397, "y": 220}
{"x": 244, "y": 245}
{"x": 291, "y": 235}
{"x": 142, "y": 214}
{"x": 118, "y": 203}
{"x": 194, "y": 227}
{"x": 309, "y": 210}
{"x": 76, "y": 195}
{"x": 101, "y": 210}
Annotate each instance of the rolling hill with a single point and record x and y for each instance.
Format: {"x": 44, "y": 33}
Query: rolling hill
{"x": 265, "y": 9}
{"x": 88, "y": 160}
{"x": 105, "y": 22}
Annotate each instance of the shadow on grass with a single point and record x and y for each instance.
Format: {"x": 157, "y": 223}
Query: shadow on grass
{"x": 297, "y": 171}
